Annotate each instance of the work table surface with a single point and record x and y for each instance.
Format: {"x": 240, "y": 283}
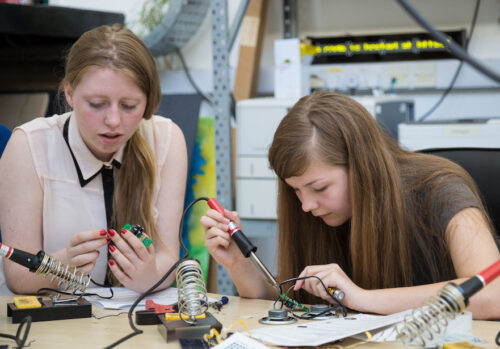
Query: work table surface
{"x": 98, "y": 333}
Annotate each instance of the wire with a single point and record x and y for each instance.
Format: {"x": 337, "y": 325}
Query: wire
{"x": 457, "y": 72}
{"x": 78, "y": 294}
{"x": 311, "y": 316}
{"x": 135, "y": 330}
{"x": 455, "y": 49}
{"x": 111, "y": 315}
{"x": 101, "y": 285}
{"x": 314, "y": 277}
{"x": 181, "y": 226}
{"x": 190, "y": 78}
{"x": 21, "y": 342}
{"x": 213, "y": 337}
{"x": 497, "y": 340}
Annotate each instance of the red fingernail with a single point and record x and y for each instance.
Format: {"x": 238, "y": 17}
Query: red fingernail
{"x": 103, "y": 232}
{"x": 108, "y": 239}
{"x": 111, "y": 262}
{"x": 124, "y": 231}
{"x": 112, "y": 248}
{"x": 111, "y": 232}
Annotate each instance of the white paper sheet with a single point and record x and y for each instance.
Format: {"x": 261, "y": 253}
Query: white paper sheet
{"x": 320, "y": 332}
{"x": 124, "y": 298}
{"x": 240, "y": 341}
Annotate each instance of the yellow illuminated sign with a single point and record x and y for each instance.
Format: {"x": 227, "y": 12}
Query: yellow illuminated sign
{"x": 395, "y": 45}
{"x": 378, "y": 47}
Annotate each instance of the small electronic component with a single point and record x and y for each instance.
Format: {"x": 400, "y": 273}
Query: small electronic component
{"x": 291, "y": 304}
{"x": 138, "y": 231}
{"x": 217, "y": 305}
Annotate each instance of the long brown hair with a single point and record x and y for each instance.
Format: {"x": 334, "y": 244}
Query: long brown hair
{"x": 378, "y": 246}
{"x": 119, "y": 49}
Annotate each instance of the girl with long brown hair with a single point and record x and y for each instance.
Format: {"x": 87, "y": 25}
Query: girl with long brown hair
{"x": 70, "y": 182}
{"x": 387, "y": 226}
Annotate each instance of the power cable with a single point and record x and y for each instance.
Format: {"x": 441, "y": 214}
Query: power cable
{"x": 455, "y": 49}
{"x": 19, "y": 338}
{"x": 457, "y": 72}
{"x": 190, "y": 78}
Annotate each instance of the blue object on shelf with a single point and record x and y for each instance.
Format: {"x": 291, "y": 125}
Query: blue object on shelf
{"x": 4, "y": 138}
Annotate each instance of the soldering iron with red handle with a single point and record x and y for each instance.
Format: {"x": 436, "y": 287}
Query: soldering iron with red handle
{"x": 477, "y": 282}
{"x": 423, "y": 326}
{"x": 246, "y": 247}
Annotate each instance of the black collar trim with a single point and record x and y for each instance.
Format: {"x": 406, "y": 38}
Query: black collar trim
{"x": 83, "y": 181}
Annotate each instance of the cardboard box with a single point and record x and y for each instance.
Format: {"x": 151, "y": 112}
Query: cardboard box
{"x": 252, "y": 34}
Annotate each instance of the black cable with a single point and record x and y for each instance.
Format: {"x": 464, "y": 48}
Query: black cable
{"x": 104, "y": 286}
{"x": 135, "y": 330}
{"x": 21, "y": 342}
{"x": 497, "y": 340}
{"x": 78, "y": 294}
{"x": 26, "y": 345}
{"x": 457, "y": 72}
{"x": 181, "y": 226}
{"x": 190, "y": 78}
{"x": 455, "y": 49}
{"x": 26, "y": 322}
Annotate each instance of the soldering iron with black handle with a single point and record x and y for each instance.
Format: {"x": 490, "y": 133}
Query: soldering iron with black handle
{"x": 68, "y": 277}
{"x": 246, "y": 247}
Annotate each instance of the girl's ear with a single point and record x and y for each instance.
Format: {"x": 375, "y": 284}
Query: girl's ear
{"x": 68, "y": 92}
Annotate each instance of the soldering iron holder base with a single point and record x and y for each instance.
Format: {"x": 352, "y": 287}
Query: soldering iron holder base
{"x": 76, "y": 309}
{"x": 174, "y": 330}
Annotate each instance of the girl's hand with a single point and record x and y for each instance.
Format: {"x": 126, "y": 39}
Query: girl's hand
{"x": 332, "y": 276}
{"x": 217, "y": 239}
{"x": 134, "y": 264}
{"x": 82, "y": 249}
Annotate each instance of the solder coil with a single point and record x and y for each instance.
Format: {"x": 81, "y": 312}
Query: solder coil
{"x": 68, "y": 277}
{"x": 191, "y": 290}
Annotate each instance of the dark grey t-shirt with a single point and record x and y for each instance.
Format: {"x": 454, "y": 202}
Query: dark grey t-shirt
{"x": 451, "y": 197}
{"x": 437, "y": 208}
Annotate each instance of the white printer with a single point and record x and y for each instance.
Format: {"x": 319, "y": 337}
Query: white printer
{"x": 256, "y": 122}
{"x": 256, "y": 185}
{"x": 469, "y": 133}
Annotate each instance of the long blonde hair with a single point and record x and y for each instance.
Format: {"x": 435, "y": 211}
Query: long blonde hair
{"x": 378, "y": 247}
{"x": 117, "y": 48}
